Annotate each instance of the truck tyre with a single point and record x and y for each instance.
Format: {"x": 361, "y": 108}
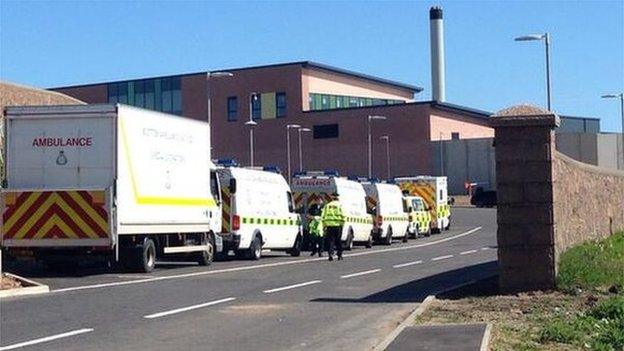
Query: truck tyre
{"x": 349, "y": 242}
{"x": 388, "y": 239}
{"x": 406, "y": 236}
{"x": 205, "y": 258}
{"x": 296, "y": 249}
{"x": 145, "y": 256}
{"x": 255, "y": 250}
{"x": 369, "y": 242}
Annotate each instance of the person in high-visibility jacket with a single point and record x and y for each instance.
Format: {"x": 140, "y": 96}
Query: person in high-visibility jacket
{"x": 333, "y": 219}
{"x": 315, "y": 228}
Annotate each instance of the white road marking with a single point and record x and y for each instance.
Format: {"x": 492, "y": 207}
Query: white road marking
{"x": 188, "y": 308}
{"x": 292, "y": 286}
{"x": 407, "y": 264}
{"x": 46, "y": 339}
{"x": 259, "y": 266}
{"x": 485, "y": 248}
{"x": 121, "y": 276}
{"x": 441, "y": 257}
{"x": 359, "y": 274}
{"x": 467, "y": 252}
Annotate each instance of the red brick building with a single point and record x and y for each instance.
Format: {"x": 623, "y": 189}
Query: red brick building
{"x": 332, "y": 102}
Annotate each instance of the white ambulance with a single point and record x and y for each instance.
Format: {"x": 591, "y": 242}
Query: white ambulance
{"x": 257, "y": 213}
{"x": 316, "y": 188}
{"x": 433, "y": 190}
{"x": 385, "y": 203}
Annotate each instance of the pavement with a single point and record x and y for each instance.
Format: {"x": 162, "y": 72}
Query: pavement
{"x": 277, "y": 303}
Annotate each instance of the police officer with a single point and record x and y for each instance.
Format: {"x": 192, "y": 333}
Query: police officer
{"x": 332, "y": 219}
{"x": 315, "y": 228}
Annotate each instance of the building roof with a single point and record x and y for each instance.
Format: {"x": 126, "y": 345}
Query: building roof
{"x": 304, "y": 64}
{"x": 12, "y": 94}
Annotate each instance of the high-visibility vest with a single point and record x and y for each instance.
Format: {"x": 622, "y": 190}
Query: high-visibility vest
{"x": 315, "y": 226}
{"x": 332, "y": 216}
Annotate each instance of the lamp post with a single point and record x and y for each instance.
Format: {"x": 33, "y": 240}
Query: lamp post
{"x": 370, "y": 143}
{"x": 288, "y": 127}
{"x": 251, "y": 125}
{"x": 546, "y": 38}
{"x": 387, "y": 139}
{"x": 210, "y": 75}
{"x": 621, "y": 96}
{"x": 299, "y": 131}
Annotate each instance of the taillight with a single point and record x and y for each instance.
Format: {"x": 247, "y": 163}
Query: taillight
{"x": 235, "y": 222}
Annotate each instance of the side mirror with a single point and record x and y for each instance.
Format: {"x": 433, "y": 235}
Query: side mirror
{"x": 410, "y": 209}
{"x": 232, "y": 186}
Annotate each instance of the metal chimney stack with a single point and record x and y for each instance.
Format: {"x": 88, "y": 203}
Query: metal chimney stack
{"x": 437, "y": 54}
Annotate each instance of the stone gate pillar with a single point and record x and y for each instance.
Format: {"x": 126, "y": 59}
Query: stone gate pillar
{"x": 525, "y": 146}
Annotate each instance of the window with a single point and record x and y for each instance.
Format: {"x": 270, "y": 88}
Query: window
{"x": 112, "y": 93}
{"x": 256, "y": 106}
{"x": 161, "y": 94}
{"x": 280, "y": 102}
{"x": 139, "y": 94}
{"x": 176, "y": 95}
{"x": 232, "y": 108}
{"x": 325, "y": 131}
{"x": 149, "y": 94}
{"x": 330, "y": 102}
{"x": 455, "y": 135}
{"x": 166, "y": 95}
{"x": 324, "y": 102}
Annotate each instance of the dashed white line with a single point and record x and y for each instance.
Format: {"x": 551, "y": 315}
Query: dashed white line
{"x": 359, "y": 274}
{"x": 258, "y": 266}
{"x": 46, "y": 339}
{"x": 188, "y": 308}
{"x": 468, "y": 252}
{"x": 292, "y": 286}
{"x": 441, "y": 257}
{"x": 484, "y": 248}
{"x": 407, "y": 264}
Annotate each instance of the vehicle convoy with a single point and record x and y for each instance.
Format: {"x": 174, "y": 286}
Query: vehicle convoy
{"x": 433, "y": 190}
{"x": 112, "y": 181}
{"x": 258, "y": 213}
{"x": 419, "y": 216}
{"x": 385, "y": 203}
{"x": 316, "y": 187}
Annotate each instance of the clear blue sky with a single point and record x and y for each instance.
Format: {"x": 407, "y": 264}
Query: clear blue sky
{"x": 49, "y": 44}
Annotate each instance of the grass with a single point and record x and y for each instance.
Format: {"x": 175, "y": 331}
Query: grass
{"x": 593, "y": 265}
{"x": 585, "y": 313}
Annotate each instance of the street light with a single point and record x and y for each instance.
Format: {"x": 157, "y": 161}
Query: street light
{"x": 209, "y": 99}
{"x": 370, "y": 143}
{"x": 300, "y": 148}
{"x": 288, "y": 127}
{"x": 546, "y": 38}
{"x": 251, "y": 125}
{"x": 387, "y": 139}
{"x": 621, "y": 96}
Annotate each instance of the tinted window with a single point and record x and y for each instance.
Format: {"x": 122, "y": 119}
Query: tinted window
{"x": 325, "y": 131}
{"x": 280, "y": 103}
{"x": 256, "y": 106}
{"x": 232, "y": 108}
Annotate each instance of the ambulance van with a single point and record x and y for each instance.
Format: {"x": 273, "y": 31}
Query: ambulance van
{"x": 385, "y": 203}
{"x": 257, "y": 213}
{"x": 316, "y": 188}
{"x": 433, "y": 190}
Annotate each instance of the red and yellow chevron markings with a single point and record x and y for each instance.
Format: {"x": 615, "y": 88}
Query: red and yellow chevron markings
{"x": 55, "y": 215}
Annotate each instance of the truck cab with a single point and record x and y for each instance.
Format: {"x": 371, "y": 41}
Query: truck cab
{"x": 419, "y": 217}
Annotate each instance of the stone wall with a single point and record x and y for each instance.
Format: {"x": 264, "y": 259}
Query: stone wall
{"x": 589, "y": 202}
{"x": 547, "y": 201}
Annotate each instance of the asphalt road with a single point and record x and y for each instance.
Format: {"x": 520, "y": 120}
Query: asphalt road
{"x": 278, "y": 303}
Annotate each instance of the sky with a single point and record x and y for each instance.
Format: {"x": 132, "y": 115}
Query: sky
{"x": 51, "y": 44}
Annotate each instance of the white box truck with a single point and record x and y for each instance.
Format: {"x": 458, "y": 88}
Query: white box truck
{"x": 258, "y": 213}
{"x": 316, "y": 188}
{"x": 385, "y": 203}
{"x": 434, "y": 191}
{"x": 109, "y": 180}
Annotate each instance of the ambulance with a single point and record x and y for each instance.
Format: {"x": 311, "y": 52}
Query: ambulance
{"x": 420, "y": 218}
{"x": 433, "y": 190}
{"x": 257, "y": 213}
{"x": 312, "y": 188}
{"x": 385, "y": 203}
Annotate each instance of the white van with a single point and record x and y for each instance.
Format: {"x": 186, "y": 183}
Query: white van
{"x": 316, "y": 187}
{"x": 385, "y": 202}
{"x": 258, "y": 213}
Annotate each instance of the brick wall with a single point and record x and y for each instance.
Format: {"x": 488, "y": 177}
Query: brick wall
{"x": 547, "y": 202}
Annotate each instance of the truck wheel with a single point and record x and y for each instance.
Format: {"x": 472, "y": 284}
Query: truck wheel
{"x": 296, "y": 249}
{"x": 369, "y": 242}
{"x": 406, "y": 236}
{"x": 205, "y": 258}
{"x": 145, "y": 256}
{"x": 388, "y": 239}
{"x": 255, "y": 249}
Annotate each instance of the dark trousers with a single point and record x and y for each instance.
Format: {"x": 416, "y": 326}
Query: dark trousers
{"x": 316, "y": 243}
{"x": 333, "y": 237}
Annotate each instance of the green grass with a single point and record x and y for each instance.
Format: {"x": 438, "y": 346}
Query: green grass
{"x": 593, "y": 265}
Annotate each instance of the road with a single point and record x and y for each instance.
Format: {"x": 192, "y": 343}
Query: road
{"x": 277, "y": 303}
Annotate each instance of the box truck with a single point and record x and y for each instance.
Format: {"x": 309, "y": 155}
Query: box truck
{"x": 316, "y": 188}
{"x": 258, "y": 213}
{"x": 434, "y": 191}
{"x": 109, "y": 180}
{"x": 390, "y": 219}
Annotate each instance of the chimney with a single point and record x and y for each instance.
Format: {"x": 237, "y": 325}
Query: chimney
{"x": 436, "y": 26}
